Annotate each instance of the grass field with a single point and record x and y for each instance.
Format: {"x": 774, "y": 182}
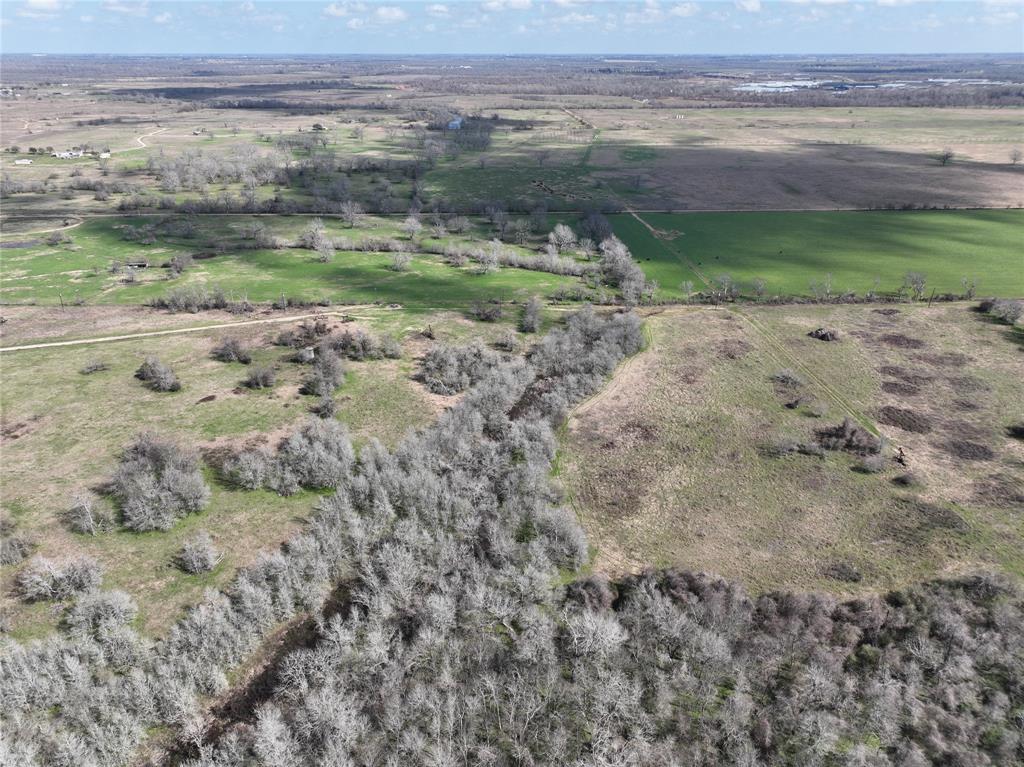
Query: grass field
{"x": 62, "y": 432}
{"x": 79, "y": 270}
{"x": 862, "y": 250}
{"x": 672, "y": 463}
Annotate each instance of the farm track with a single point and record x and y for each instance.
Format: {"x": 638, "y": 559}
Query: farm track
{"x": 683, "y": 259}
{"x": 177, "y": 331}
{"x": 786, "y": 357}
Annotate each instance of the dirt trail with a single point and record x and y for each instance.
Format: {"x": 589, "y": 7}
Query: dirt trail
{"x": 786, "y": 357}
{"x": 687, "y": 262}
{"x": 141, "y": 143}
{"x": 174, "y": 331}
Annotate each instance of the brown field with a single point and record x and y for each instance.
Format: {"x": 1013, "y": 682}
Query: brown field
{"x": 672, "y": 464}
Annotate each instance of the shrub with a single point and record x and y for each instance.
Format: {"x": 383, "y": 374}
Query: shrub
{"x": 506, "y": 342}
{"x": 260, "y": 378}
{"x": 43, "y": 579}
{"x": 83, "y": 517}
{"x": 849, "y": 436}
{"x": 13, "y": 548}
{"x": 157, "y": 376}
{"x": 486, "y": 311}
{"x": 788, "y": 379}
{"x": 400, "y": 262}
{"x": 449, "y": 369}
{"x": 326, "y": 408}
{"x": 1007, "y": 311}
{"x": 872, "y": 464}
{"x": 156, "y": 483}
{"x": 198, "y": 555}
{"x": 96, "y": 366}
{"x": 231, "y": 350}
{"x": 531, "y": 319}
{"x": 327, "y": 375}
{"x": 191, "y": 298}
{"x": 249, "y": 469}
{"x": 98, "y": 613}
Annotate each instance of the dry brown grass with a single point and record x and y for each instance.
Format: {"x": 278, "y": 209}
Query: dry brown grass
{"x": 668, "y": 465}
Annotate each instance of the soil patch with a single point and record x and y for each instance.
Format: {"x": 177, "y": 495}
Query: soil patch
{"x": 842, "y": 571}
{"x": 946, "y": 359}
{"x": 966, "y": 384}
{"x": 207, "y": 398}
{"x": 968, "y": 451}
{"x": 886, "y": 312}
{"x": 999, "y": 490}
{"x": 734, "y": 348}
{"x": 906, "y": 419}
{"x": 907, "y": 376}
{"x": 899, "y": 341}
{"x": 900, "y": 388}
{"x": 966, "y": 405}
{"x": 825, "y": 334}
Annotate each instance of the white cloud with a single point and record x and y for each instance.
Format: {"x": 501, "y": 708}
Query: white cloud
{"x": 163, "y": 18}
{"x": 390, "y": 14}
{"x": 40, "y": 9}
{"x": 85, "y": 19}
{"x": 344, "y": 9}
{"x": 751, "y": 6}
{"x": 438, "y": 10}
{"x": 684, "y": 10}
{"x": 355, "y": 24}
{"x": 127, "y": 8}
{"x": 575, "y": 19}
{"x": 508, "y": 5}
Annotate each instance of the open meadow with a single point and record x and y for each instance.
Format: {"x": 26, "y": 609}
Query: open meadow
{"x": 701, "y": 451}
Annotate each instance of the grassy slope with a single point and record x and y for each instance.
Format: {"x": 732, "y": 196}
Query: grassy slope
{"x": 668, "y": 465}
{"x": 790, "y": 250}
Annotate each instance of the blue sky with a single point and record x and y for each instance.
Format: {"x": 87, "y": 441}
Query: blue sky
{"x": 511, "y": 26}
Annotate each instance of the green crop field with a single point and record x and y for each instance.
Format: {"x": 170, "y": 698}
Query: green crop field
{"x": 862, "y": 250}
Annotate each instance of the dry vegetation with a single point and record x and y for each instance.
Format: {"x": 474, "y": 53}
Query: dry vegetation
{"x": 696, "y": 455}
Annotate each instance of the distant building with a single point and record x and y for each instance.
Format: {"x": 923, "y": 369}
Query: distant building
{"x": 455, "y": 124}
{"x": 71, "y": 155}
{"x": 104, "y": 155}
{"x": 23, "y": 162}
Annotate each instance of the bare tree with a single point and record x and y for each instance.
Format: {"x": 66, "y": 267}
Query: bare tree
{"x": 946, "y": 156}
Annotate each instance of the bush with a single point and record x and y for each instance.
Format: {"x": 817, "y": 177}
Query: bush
{"x": 486, "y": 311}
{"x": 849, "y": 436}
{"x": 157, "y": 376}
{"x": 531, "y": 319}
{"x": 84, "y": 518}
{"x": 327, "y": 375}
{"x": 157, "y": 483}
{"x": 98, "y": 613}
{"x": 260, "y": 378}
{"x": 43, "y": 579}
{"x": 14, "y": 548}
{"x": 506, "y": 342}
{"x": 326, "y": 408}
{"x": 400, "y": 262}
{"x": 191, "y": 298}
{"x": 231, "y": 350}
{"x": 872, "y": 464}
{"x": 96, "y": 366}
{"x": 449, "y": 369}
{"x": 1007, "y": 311}
{"x": 198, "y": 555}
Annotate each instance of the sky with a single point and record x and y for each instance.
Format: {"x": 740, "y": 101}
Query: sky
{"x": 511, "y": 26}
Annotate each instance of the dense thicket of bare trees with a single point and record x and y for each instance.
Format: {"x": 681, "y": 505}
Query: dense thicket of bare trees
{"x": 446, "y": 639}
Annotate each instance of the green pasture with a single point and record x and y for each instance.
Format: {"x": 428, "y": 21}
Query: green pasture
{"x": 862, "y": 250}
{"x": 80, "y": 270}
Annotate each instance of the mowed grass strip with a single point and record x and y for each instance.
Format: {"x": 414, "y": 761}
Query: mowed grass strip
{"x": 862, "y": 250}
